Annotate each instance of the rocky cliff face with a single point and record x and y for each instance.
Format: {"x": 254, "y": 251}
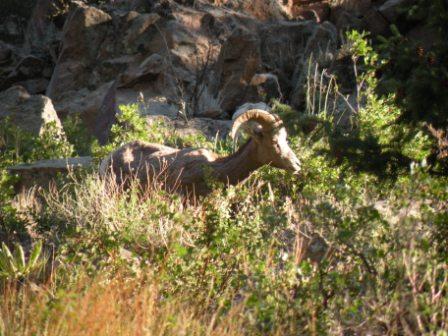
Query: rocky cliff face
{"x": 200, "y": 59}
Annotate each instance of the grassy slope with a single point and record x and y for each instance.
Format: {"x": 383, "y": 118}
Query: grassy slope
{"x": 332, "y": 251}
{"x": 356, "y": 245}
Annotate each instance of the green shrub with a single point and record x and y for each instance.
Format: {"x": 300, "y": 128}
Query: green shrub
{"x": 77, "y": 135}
{"x": 14, "y": 266}
{"x": 131, "y": 125}
{"x": 377, "y": 141}
{"x": 419, "y": 75}
{"x": 18, "y": 146}
{"x": 415, "y": 73}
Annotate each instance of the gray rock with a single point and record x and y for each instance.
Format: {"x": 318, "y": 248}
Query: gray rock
{"x": 53, "y": 165}
{"x": 41, "y": 32}
{"x": 375, "y": 22}
{"x": 358, "y": 7}
{"x": 268, "y": 86}
{"x": 28, "y": 68}
{"x": 5, "y": 52}
{"x": 158, "y": 106}
{"x": 345, "y": 20}
{"x": 319, "y": 11}
{"x": 97, "y": 108}
{"x": 137, "y": 32}
{"x": 34, "y": 85}
{"x": 42, "y": 173}
{"x": 250, "y": 106}
{"x": 29, "y": 112}
{"x": 260, "y": 9}
{"x": 238, "y": 62}
{"x": 287, "y": 48}
{"x": 390, "y": 9}
{"x": 12, "y": 29}
{"x": 149, "y": 69}
{"x": 210, "y": 128}
{"x": 106, "y": 115}
{"x": 84, "y": 30}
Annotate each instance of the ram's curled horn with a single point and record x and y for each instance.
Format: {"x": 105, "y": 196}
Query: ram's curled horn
{"x": 267, "y": 121}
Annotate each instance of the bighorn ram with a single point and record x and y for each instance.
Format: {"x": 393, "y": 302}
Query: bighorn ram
{"x": 189, "y": 170}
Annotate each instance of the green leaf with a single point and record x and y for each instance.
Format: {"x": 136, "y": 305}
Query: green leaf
{"x": 35, "y": 254}
{"x": 9, "y": 258}
{"x": 19, "y": 257}
{"x": 4, "y": 263}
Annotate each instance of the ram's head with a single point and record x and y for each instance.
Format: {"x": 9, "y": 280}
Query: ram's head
{"x": 268, "y": 132}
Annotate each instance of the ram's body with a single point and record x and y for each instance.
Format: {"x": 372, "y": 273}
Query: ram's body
{"x": 192, "y": 171}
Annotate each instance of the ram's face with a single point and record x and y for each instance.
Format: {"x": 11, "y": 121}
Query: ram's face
{"x": 275, "y": 151}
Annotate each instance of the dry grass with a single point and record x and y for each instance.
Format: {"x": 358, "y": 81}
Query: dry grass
{"x": 116, "y": 302}
{"x": 118, "y": 306}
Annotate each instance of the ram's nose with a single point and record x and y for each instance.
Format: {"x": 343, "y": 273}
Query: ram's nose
{"x": 296, "y": 167}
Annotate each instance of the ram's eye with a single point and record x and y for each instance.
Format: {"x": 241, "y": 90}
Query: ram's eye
{"x": 258, "y": 132}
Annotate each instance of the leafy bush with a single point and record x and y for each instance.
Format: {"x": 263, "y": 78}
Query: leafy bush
{"x": 415, "y": 72}
{"x": 131, "y": 125}
{"x": 373, "y": 139}
{"x": 18, "y": 146}
{"x": 75, "y": 129}
{"x": 13, "y": 265}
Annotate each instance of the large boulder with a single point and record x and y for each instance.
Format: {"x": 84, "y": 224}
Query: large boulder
{"x": 97, "y": 108}
{"x": 286, "y": 48}
{"x": 375, "y": 22}
{"x": 210, "y": 128}
{"x": 29, "y": 112}
{"x": 140, "y": 25}
{"x": 261, "y": 9}
{"x": 238, "y": 62}
{"x": 84, "y": 32}
{"x": 319, "y": 11}
{"x": 358, "y": 7}
{"x": 391, "y": 9}
{"x": 11, "y": 29}
{"x": 5, "y": 53}
{"x": 345, "y": 20}
{"x": 31, "y": 72}
{"x": 42, "y": 34}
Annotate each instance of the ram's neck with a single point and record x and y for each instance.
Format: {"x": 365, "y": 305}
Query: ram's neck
{"x": 238, "y": 166}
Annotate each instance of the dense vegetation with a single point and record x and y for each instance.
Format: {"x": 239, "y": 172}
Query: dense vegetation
{"x": 356, "y": 245}
{"x": 416, "y": 70}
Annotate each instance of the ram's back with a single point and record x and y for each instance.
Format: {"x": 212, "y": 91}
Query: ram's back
{"x": 153, "y": 163}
